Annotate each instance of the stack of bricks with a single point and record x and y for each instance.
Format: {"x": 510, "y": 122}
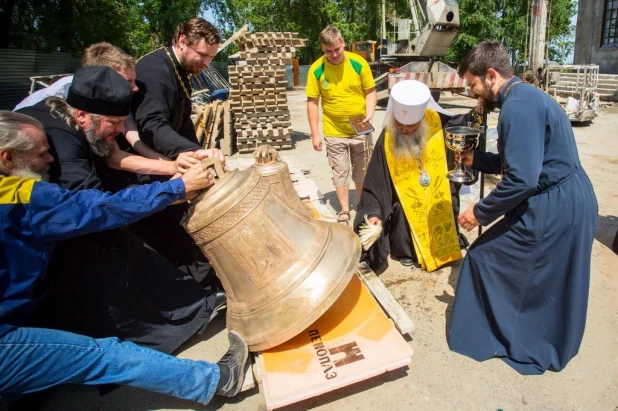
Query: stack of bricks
{"x": 258, "y": 96}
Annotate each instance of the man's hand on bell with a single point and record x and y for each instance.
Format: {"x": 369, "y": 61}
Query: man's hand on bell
{"x": 467, "y": 220}
{"x": 185, "y": 161}
{"x": 466, "y": 157}
{"x": 317, "y": 142}
{"x": 197, "y": 178}
{"x": 211, "y": 153}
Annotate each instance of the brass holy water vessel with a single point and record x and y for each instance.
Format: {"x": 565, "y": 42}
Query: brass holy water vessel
{"x": 460, "y": 139}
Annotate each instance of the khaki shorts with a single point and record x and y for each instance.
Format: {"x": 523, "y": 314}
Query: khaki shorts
{"x": 348, "y": 158}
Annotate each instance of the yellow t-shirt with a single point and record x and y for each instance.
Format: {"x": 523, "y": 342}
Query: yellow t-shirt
{"x": 342, "y": 88}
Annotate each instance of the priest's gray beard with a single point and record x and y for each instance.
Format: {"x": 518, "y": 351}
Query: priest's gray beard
{"x": 60, "y": 108}
{"x": 98, "y": 145}
{"x": 24, "y": 170}
{"x": 409, "y": 145}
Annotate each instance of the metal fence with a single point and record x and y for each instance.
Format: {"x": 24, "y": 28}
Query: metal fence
{"x": 17, "y": 66}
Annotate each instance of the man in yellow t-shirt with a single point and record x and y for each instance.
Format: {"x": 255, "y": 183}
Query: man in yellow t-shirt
{"x": 345, "y": 84}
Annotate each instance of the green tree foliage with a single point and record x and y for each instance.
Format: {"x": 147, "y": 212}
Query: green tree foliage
{"x": 477, "y": 19}
{"x": 356, "y": 20}
{"x": 508, "y": 21}
{"x": 561, "y": 32}
{"x": 137, "y": 26}
{"x": 140, "y": 26}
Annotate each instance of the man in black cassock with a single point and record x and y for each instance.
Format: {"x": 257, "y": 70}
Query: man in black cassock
{"x": 522, "y": 293}
{"x": 109, "y": 283}
{"x": 162, "y": 105}
{"x": 162, "y": 110}
{"x": 379, "y": 201}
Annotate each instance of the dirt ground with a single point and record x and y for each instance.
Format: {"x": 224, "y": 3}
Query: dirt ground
{"x": 438, "y": 379}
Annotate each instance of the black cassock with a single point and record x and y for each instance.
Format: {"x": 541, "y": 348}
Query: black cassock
{"x": 161, "y": 107}
{"x": 162, "y": 111}
{"x": 111, "y": 284}
{"x": 379, "y": 199}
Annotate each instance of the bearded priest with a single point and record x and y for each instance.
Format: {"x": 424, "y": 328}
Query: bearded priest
{"x": 408, "y": 206}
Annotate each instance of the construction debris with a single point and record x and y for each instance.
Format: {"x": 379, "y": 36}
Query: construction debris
{"x": 258, "y": 96}
{"x": 213, "y": 125}
{"x": 574, "y": 87}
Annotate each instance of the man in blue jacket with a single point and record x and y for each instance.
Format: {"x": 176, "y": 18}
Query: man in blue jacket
{"x": 131, "y": 292}
{"x": 34, "y": 215}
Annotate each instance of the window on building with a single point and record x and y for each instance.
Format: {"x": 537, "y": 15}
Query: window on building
{"x": 610, "y": 20}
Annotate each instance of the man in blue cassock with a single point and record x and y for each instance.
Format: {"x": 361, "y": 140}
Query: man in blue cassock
{"x": 522, "y": 293}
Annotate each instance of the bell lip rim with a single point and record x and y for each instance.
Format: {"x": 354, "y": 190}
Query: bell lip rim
{"x": 312, "y": 317}
{"x": 298, "y": 326}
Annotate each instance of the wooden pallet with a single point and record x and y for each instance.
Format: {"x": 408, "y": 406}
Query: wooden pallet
{"x": 258, "y": 98}
{"x": 275, "y": 43}
{"x": 257, "y": 80}
{"x": 239, "y": 108}
{"x": 265, "y": 55}
{"x": 271, "y": 121}
{"x": 264, "y": 70}
{"x": 269, "y": 49}
{"x": 272, "y": 35}
{"x": 265, "y": 61}
{"x": 263, "y": 125}
{"x": 256, "y": 133}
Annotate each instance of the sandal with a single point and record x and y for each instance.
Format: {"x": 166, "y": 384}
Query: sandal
{"x": 343, "y": 217}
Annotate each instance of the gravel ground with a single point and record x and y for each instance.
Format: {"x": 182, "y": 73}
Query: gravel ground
{"x": 438, "y": 379}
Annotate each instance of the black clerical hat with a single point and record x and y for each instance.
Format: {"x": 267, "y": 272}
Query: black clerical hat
{"x": 100, "y": 90}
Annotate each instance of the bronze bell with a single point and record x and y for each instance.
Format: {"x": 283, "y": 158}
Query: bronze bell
{"x": 280, "y": 269}
{"x": 270, "y": 166}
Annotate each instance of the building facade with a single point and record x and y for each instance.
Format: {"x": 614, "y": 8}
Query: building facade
{"x": 596, "y": 37}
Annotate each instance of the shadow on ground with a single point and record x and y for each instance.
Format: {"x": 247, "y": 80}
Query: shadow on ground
{"x": 331, "y": 199}
{"x": 299, "y": 136}
{"x": 447, "y": 298}
{"x": 581, "y": 124}
{"x": 607, "y": 230}
{"x": 212, "y": 328}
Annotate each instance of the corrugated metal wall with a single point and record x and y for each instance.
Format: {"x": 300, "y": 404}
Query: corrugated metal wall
{"x": 17, "y": 66}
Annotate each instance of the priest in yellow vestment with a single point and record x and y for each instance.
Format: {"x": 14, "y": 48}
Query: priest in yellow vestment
{"x": 408, "y": 205}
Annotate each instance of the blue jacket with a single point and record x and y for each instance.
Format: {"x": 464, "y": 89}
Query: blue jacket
{"x": 35, "y": 215}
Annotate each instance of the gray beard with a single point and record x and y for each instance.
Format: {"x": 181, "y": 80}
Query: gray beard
{"x": 99, "y": 146}
{"x": 406, "y": 145}
{"x": 24, "y": 171}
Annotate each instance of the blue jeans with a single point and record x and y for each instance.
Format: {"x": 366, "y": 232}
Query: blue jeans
{"x": 33, "y": 359}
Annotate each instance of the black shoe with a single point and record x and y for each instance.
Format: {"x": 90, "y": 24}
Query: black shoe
{"x": 406, "y": 261}
{"x": 220, "y": 300}
{"x": 232, "y": 366}
{"x": 220, "y": 303}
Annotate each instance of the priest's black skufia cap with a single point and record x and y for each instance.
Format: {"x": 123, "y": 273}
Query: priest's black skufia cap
{"x": 100, "y": 90}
